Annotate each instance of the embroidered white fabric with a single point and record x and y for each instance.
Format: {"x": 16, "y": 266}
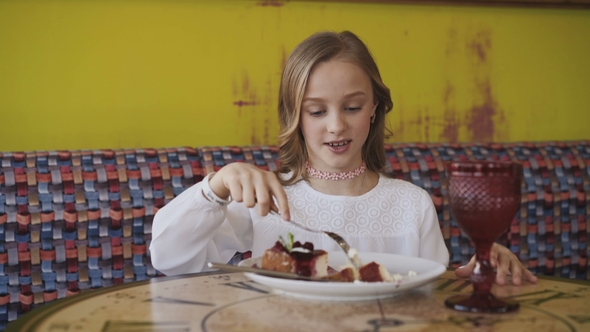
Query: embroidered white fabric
{"x": 394, "y": 217}
{"x": 388, "y": 209}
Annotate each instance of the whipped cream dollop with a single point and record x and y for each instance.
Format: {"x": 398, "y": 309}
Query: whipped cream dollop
{"x": 301, "y": 249}
{"x": 353, "y": 255}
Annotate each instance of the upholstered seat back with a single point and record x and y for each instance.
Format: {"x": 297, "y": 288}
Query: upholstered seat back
{"x": 73, "y": 220}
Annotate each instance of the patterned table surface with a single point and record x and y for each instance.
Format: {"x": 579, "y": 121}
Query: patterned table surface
{"x": 231, "y": 302}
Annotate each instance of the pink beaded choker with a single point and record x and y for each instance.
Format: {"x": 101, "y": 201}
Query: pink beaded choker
{"x": 334, "y": 176}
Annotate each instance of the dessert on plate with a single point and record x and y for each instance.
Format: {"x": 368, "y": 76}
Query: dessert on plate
{"x": 302, "y": 259}
{"x": 294, "y": 257}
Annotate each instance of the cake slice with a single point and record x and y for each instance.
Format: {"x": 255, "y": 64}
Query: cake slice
{"x": 346, "y": 274}
{"x": 294, "y": 257}
{"x": 374, "y": 272}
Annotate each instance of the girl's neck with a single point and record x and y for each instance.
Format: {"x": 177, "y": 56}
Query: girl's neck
{"x": 350, "y": 187}
{"x": 334, "y": 176}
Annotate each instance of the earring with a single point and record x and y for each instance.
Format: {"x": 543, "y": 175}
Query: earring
{"x": 373, "y": 118}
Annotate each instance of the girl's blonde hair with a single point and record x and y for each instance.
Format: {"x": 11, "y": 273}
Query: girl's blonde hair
{"x": 320, "y": 47}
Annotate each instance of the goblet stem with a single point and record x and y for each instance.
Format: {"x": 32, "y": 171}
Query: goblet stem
{"x": 483, "y": 275}
{"x": 482, "y": 278}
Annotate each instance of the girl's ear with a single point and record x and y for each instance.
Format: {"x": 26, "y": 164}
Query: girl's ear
{"x": 374, "y": 114}
{"x": 374, "y": 107}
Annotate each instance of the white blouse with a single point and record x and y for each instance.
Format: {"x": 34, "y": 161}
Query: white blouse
{"x": 396, "y": 217}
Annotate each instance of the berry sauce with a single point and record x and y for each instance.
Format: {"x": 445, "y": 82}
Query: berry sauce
{"x": 303, "y": 259}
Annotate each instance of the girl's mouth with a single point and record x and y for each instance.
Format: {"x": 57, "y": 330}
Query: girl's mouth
{"x": 338, "y": 144}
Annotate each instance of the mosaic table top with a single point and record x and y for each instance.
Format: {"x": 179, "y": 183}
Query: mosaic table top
{"x": 231, "y": 302}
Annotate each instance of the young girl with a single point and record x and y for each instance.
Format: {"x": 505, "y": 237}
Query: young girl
{"x": 332, "y": 108}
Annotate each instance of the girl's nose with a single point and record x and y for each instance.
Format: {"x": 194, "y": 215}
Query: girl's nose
{"x": 336, "y": 124}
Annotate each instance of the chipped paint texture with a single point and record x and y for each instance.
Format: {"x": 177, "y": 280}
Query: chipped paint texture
{"x": 471, "y": 112}
{"x": 254, "y": 107}
{"x": 450, "y": 124}
{"x": 486, "y": 116}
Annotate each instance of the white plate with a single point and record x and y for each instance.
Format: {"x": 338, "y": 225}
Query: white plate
{"x": 343, "y": 291}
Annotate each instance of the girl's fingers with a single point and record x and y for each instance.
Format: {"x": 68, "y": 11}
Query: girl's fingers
{"x": 279, "y": 194}
{"x": 235, "y": 191}
{"x": 263, "y": 199}
{"x": 249, "y": 193}
{"x": 520, "y": 272}
{"x": 506, "y": 263}
{"x": 529, "y": 276}
{"x": 494, "y": 255}
{"x": 500, "y": 278}
{"x": 465, "y": 271}
{"x": 252, "y": 186}
{"x": 516, "y": 271}
{"x": 503, "y": 269}
{"x": 274, "y": 207}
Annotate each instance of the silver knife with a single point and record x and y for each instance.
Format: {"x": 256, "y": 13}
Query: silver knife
{"x": 284, "y": 275}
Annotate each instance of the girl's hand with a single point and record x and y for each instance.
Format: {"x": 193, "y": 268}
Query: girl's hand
{"x": 251, "y": 185}
{"x": 506, "y": 263}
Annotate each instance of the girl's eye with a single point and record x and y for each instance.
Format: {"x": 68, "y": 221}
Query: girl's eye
{"x": 316, "y": 113}
{"x": 353, "y": 109}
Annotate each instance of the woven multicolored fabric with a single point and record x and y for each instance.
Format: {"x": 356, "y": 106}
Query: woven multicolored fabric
{"x": 549, "y": 234}
{"x": 74, "y": 220}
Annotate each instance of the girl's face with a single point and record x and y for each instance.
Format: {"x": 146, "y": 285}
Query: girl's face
{"x": 336, "y": 115}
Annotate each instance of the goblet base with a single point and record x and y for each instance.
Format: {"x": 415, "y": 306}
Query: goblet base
{"x": 481, "y": 303}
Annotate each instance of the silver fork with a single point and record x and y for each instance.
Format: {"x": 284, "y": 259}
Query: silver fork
{"x": 343, "y": 244}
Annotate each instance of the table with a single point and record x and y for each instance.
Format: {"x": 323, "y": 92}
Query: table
{"x": 231, "y": 302}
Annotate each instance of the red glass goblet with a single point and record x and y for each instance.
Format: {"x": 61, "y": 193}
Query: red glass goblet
{"x": 484, "y": 198}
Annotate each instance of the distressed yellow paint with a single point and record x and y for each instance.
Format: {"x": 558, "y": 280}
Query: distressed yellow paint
{"x": 125, "y": 74}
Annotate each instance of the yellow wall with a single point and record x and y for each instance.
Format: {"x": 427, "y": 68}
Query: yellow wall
{"x": 121, "y": 74}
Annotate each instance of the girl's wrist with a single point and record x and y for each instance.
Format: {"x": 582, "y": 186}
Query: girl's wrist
{"x": 210, "y": 195}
